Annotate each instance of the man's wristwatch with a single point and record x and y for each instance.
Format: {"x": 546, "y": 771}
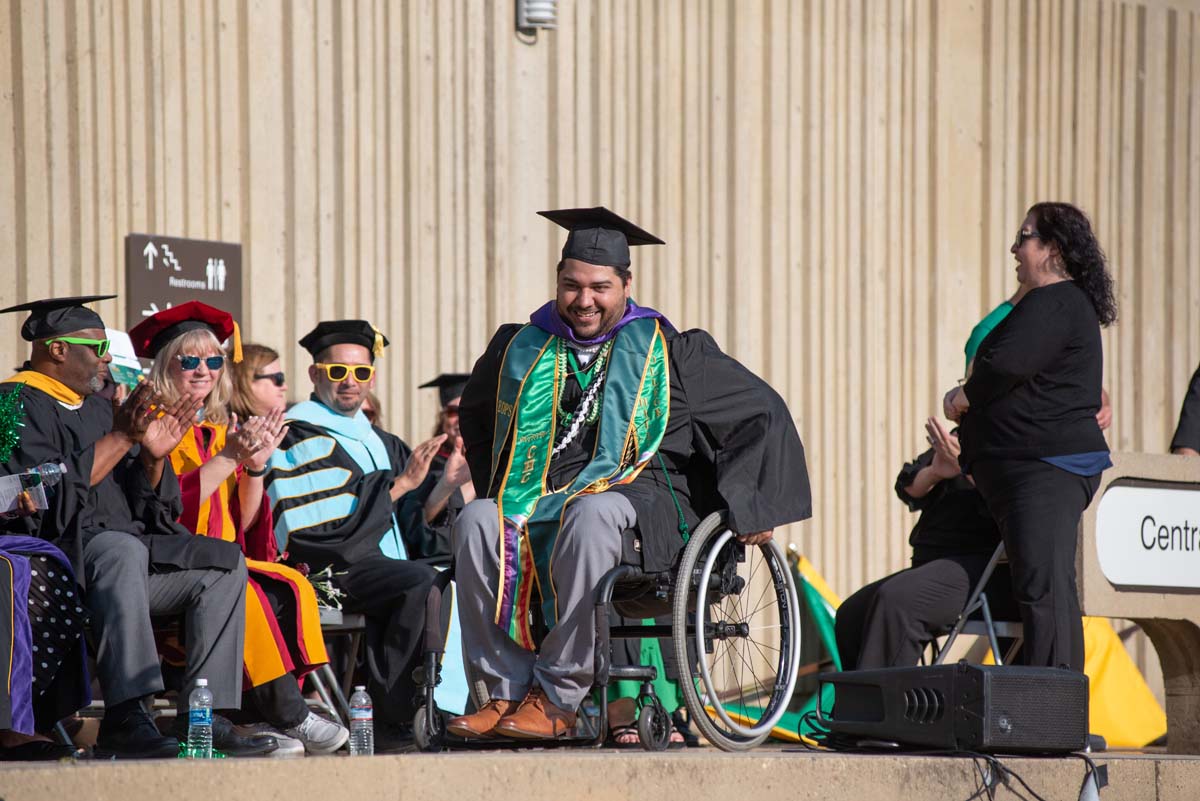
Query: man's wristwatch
{"x": 250, "y": 471}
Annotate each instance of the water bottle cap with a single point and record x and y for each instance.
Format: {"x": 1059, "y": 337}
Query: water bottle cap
{"x": 360, "y": 688}
{"x": 201, "y": 682}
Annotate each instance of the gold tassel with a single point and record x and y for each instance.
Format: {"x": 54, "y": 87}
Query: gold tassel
{"x": 377, "y": 349}
{"x": 237, "y": 343}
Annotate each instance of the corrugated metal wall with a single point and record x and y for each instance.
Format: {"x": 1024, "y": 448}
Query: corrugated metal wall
{"x": 838, "y": 183}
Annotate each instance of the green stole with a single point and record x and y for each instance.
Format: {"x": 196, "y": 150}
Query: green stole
{"x": 633, "y": 419}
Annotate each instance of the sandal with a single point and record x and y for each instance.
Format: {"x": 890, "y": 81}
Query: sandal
{"x": 624, "y": 737}
{"x": 628, "y": 737}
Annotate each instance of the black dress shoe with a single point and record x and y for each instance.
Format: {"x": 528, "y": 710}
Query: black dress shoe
{"x": 41, "y": 751}
{"x": 134, "y": 736}
{"x": 228, "y": 741}
{"x": 391, "y": 738}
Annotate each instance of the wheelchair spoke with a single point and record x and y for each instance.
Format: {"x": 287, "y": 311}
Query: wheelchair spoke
{"x": 764, "y": 600}
{"x": 765, "y": 645}
{"x": 753, "y": 674}
{"x": 770, "y": 603}
{"x": 762, "y": 690}
{"x": 734, "y": 606}
{"x": 759, "y": 646}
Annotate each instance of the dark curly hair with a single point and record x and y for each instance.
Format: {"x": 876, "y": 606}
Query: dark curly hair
{"x": 1069, "y": 228}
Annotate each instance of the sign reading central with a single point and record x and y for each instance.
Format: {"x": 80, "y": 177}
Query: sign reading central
{"x": 1149, "y": 536}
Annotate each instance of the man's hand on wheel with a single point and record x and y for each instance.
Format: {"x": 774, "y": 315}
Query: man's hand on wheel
{"x": 756, "y": 537}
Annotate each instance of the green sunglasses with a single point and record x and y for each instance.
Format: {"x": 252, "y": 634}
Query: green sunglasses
{"x": 101, "y": 345}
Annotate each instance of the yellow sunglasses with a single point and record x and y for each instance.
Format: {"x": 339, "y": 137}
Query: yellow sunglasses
{"x": 337, "y": 372}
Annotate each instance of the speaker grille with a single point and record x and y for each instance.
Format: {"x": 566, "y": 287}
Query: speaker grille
{"x": 1040, "y": 711}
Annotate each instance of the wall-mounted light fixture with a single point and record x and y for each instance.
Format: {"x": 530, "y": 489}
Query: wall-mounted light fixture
{"x": 534, "y": 14}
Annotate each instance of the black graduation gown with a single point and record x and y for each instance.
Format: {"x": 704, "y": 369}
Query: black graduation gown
{"x": 390, "y": 592}
{"x": 1187, "y": 433}
{"x": 123, "y": 500}
{"x": 730, "y": 444}
{"x": 431, "y": 541}
{"x": 354, "y": 536}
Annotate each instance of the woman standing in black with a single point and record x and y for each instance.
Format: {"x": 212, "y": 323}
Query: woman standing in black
{"x": 1028, "y": 426}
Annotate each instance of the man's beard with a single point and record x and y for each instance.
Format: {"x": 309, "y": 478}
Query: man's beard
{"x": 94, "y": 385}
{"x": 348, "y": 408}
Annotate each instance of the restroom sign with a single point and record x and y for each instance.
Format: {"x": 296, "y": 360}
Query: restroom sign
{"x": 164, "y": 271}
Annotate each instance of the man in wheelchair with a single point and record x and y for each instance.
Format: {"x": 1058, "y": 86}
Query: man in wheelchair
{"x": 595, "y": 418}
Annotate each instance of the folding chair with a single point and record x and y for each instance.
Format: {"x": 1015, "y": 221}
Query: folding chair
{"x": 993, "y": 630}
{"x": 334, "y": 693}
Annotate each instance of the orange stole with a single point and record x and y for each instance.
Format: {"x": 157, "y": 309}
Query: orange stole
{"x": 268, "y": 652}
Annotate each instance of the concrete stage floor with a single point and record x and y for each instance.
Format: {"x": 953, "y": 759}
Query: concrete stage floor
{"x": 769, "y": 773}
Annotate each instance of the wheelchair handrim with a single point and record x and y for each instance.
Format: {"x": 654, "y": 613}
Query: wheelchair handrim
{"x": 789, "y": 657}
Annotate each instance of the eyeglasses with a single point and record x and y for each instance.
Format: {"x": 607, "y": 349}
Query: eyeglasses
{"x": 192, "y": 362}
{"x": 278, "y": 379}
{"x": 1023, "y": 236}
{"x": 338, "y": 372}
{"x": 101, "y": 345}
{"x": 451, "y": 410}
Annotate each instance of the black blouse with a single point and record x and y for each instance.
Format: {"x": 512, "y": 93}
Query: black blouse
{"x": 1035, "y": 386}
{"x": 954, "y": 519}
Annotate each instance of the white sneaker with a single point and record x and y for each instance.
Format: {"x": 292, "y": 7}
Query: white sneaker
{"x": 320, "y": 736}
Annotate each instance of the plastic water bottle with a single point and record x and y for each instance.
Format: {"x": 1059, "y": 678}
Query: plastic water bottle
{"x": 200, "y": 703}
{"x": 48, "y": 474}
{"x": 362, "y": 723}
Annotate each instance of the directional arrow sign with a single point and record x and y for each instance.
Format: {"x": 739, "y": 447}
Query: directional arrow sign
{"x": 153, "y": 309}
{"x": 164, "y": 271}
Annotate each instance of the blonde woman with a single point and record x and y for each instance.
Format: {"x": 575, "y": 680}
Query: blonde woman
{"x": 220, "y": 467}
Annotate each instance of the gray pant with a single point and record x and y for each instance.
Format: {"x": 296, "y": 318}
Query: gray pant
{"x": 122, "y": 594}
{"x": 589, "y": 545}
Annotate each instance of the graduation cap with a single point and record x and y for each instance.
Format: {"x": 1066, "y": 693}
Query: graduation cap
{"x": 598, "y": 236}
{"x": 449, "y": 386}
{"x": 57, "y": 316}
{"x": 349, "y": 332}
{"x": 156, "y": 331}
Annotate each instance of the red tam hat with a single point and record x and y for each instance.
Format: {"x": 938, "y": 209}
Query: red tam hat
{"x": 152, "y": 334}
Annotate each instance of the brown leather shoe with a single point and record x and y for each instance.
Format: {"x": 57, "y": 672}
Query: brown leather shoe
{"x": 483, "y": 722}
{"x": 537, "y": 719}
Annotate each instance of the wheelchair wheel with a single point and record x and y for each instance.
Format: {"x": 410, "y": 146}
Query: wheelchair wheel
{"x": 736, "y": 624}
{"x": 654, "y": 727}
{"x": 426, "y": 736}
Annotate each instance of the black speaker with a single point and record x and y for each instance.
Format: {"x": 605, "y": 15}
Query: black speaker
{"x": 985, "y": 708}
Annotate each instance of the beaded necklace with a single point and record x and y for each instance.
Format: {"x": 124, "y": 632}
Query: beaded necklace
{"x": 588, "y": 410}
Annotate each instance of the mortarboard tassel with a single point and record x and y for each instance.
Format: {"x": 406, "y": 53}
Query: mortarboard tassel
{"x": 237, "y": 343}
{"x": 377, "y": 349}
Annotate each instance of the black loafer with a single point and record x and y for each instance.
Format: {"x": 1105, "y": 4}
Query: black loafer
{"x": 393, "y": 739}
{"x": 134, "y": 737}
{"x": 228, "y": 741}
{"x": 41, "y": 751}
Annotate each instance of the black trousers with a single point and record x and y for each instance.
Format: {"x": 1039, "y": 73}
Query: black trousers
{"x": 1037, "y": 507}
{"x": 391, "y": 594}
{"x": 888, "y": 622}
